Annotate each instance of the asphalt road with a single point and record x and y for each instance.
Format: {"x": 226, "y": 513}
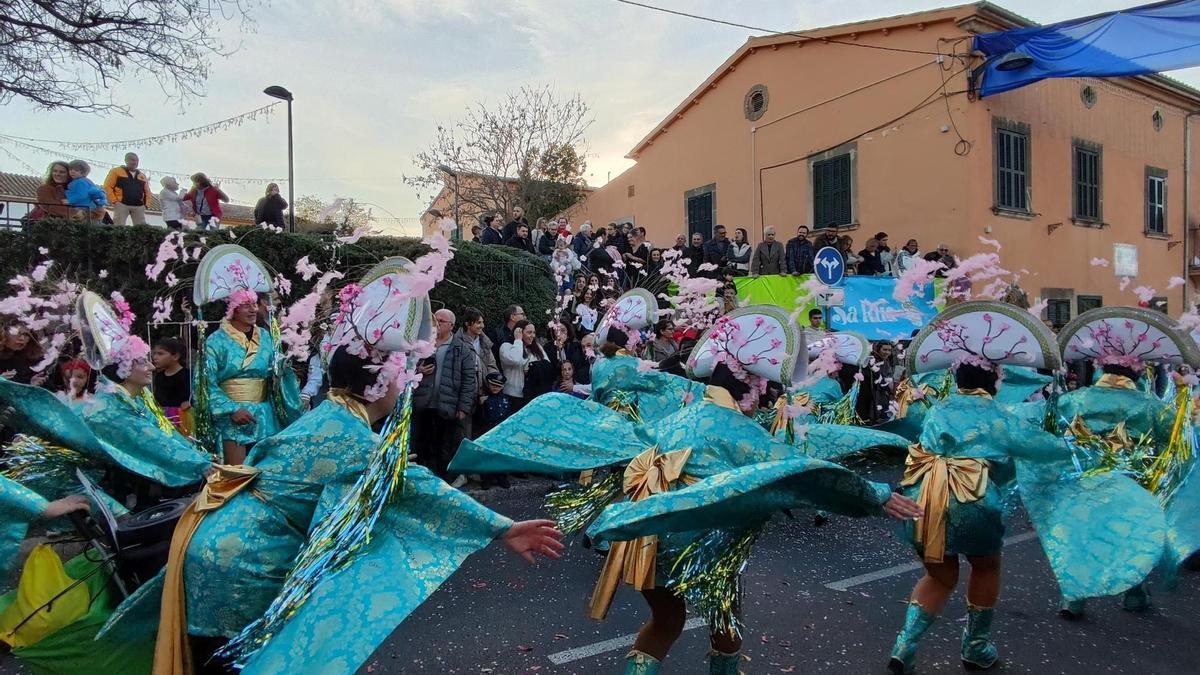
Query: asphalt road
{"x": 818, "y": 600}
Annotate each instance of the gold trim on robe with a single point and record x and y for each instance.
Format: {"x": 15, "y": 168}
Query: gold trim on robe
{"x": 964, "y": 477}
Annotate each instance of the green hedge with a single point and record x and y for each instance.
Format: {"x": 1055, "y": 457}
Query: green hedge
{"x": 486, "y": 277}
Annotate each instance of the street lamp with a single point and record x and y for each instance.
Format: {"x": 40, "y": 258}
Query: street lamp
{"x": 453, "y": 174}
{"x": 276, "y": 91}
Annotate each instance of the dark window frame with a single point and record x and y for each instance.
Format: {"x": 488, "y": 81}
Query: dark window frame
{"x": 1051, "y": 311}
{"x": 1093, "y": 301}
{"x": 833, "y": 188}
{"x": 1156, "y": 175}
{"x": 1086, "y": 208}
{"x": 1012, "y": 185}
{"x": 710, "y": 189}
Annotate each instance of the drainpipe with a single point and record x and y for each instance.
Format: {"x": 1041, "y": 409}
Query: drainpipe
{"x": 1187, "y": 203}
{"x": 755, "y": 192}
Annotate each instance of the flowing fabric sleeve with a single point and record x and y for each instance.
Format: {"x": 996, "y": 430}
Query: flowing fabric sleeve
{"x": 419, "y": 541}
{"x": 218, "y": 350}
{"x": 169, "y": 459}
{"x": 832, "y": 442}
{"x": 746, "y": 495}
{"x": 554, "y": 433}
{"x": 1183, "y": 521}
{"x": 19, "y": 506}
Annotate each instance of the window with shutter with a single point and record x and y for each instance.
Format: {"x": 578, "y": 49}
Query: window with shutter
{"x": 1084, "y": 303}
{"x": 1087, "y": 178}
{"x": 1011, "y": 172}
{"x": 1059, "y": 312}
{"x": 1156, "y": 201}
{"x": 832, "y": 181}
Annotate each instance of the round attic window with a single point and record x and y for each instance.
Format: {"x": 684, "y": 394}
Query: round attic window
{"x": 1088, "y": 95}
{"x": 755, "y": 104}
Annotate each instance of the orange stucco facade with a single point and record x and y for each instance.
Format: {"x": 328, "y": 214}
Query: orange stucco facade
{"x": 910, "y": 174}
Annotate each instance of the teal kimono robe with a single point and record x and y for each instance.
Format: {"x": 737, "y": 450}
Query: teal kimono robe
{"x": 1102, "y": 534}
{"x": 1105, "y": 405}
{"x": 823, "y": 392}
{"x": 226, "y": 358}
{"x": 238, "y": 558}
{"x": 18, "y": 507}
{"x": 113, "y": 430}
{"x": 652, "y": 394}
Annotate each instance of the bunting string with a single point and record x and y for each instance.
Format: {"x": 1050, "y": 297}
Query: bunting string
{"x": 162, "y": 139}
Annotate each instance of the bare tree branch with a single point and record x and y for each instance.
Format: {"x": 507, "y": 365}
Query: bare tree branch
{"x": 527, "y": 149}
{"x": 67, "y": 54}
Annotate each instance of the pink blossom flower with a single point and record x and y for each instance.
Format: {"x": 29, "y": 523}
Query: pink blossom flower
{"x": 990, "y": 242}
{"x": 103, "y": 274}
{"x": 688, "y": 398}
{"x": 39, "y": 272}
{"x": 1099, "y": 262}
{"x": 645, "y": 366}
{"x": 42, "y": 250}
{"x": 306, "y": 269}
{"x": 1175, "y": 282}
{"x": 1144, "y": 293}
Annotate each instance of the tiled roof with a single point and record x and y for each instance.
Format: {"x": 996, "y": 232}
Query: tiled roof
{"x": 19, "y": 187}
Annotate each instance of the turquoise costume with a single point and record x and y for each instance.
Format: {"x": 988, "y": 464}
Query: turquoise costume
{"x": 231, "y": 360}
{"x": 825, "y": 391}
{"x": 617, "y": 383}
{"x": 18, "y": 507}
{"x": 115, "y": 431}
{"x": 247, "y": 547}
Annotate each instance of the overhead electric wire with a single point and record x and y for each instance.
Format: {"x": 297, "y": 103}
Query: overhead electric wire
{"x": 845, "y": 94}
{"x": 797, "y": 34}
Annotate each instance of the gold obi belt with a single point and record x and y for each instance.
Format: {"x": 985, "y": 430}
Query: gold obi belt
{"x": 245, "y": 389}
{"x": 633, "y": 561}
{"x": 964, "y": 477}
{"x": 172, "y": 653}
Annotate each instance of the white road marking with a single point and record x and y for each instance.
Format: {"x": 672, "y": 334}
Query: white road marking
{"x": 847, "y": 584}
{"x": 588, "y": 651}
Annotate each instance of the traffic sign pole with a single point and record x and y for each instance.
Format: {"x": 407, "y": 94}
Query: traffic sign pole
{"x": 829, "y": 266}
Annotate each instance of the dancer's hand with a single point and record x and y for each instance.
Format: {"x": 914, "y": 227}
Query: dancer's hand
{"x": 70, "y": 504}
{"x": 241, "y": 416}
{"x": 902, "y": 508}
{"x": 534, "y": 536}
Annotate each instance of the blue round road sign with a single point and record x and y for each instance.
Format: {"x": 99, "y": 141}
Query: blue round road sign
{"x": 829, "y": 266}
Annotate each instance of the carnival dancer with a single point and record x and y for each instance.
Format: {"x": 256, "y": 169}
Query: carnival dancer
{"x": 822, "y": 391}
{"x": 707, "y": 437}
{"x": 120, "y": 434}
{"x": 969, "y": 448}
{"x": 245, "y": 389}
{"x": 327, "y": 526}
{"x": 1117, "y": 426}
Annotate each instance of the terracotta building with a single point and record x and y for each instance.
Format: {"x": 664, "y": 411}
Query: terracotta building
{"x": 866, "y": 127}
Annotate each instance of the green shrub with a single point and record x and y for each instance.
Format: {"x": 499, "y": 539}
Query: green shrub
{"x": 486, "y": 277}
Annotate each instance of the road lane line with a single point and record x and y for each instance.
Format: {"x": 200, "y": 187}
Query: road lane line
{"x": 847, "y": 584}
{"x": 588, "y": 651}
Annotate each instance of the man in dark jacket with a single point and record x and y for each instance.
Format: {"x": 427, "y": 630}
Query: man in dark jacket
{"x": 445, "y": 397}
{"x": 598, "y": 260}
{"x": 828, "y": 237}
{"x": 518, "y": 218}
{"x": 581, "y": 243}
{"x": 546, "y": 243}
{"x": 503, "y": 332}
{"x": 717, "y": 251}
{"x": 800, "y": 252}
{"x": 520, "y": 239}
{"x": 491, "y": 233}
{"x": 694, "y": 254}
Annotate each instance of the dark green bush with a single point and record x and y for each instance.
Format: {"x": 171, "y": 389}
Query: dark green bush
{"x": 487, "y": 277}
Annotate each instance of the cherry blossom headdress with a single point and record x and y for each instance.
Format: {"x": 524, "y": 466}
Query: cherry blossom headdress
{"x": 633, "y": 312}
{"x": 986, "y": 334}
{"x": 848, "y": 347}
{"x": 106, "y": 336}
{"x": 762, "y": 340}
{"x": 230, "y": 272}
{"x": 1126, "y": 336}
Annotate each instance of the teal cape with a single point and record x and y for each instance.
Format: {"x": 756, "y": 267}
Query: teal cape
{"x": 112, "y": 430}
{"x": 653, "y": 394}
{"x": 1018, "y": 384}
{"x": 241, "y": 553}
{"x": 223, "y": 360}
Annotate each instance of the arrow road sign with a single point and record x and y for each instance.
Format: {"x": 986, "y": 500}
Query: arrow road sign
{"x": 829, "y": 266}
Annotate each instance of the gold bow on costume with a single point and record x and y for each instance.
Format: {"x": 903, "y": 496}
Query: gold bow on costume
{"x": 966, "y": 478}
{"x": 633, "y": 561}
{"x": 1117, "y": 440}
{"x": 172, "y": 653}
{"x": 1116, "y": 382}
{"x": 905, "y": 396}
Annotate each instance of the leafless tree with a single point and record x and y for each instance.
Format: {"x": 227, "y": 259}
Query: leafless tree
{"x": 527, "y": 148}
{"x": 69, "y": 53}
{"x": 341, "y": 216}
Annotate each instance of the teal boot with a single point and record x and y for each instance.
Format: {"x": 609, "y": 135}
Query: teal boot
{"x": 978, "y": 652}
{"x": 640, "y": 663}
{"x": 720, "y": 663}
{"x": 1136, "y": 599}
{"x": 904, "y": 653}
{"x": 1072, "y": 609}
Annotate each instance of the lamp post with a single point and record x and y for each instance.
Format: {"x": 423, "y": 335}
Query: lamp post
{"x": 453, "y": 174}
{"x": 276, "y": 91}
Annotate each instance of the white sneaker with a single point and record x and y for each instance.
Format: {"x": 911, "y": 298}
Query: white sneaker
{"x": 459, "y": 482}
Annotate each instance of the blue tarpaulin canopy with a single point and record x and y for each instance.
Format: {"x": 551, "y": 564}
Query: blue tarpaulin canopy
{"x": 1137, "y": 41}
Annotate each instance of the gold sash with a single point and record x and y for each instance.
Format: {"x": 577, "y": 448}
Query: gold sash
{"x": 966, "y": 478}
{"x": 249, "y": 344}
{"x": 633, "y": 561}
{"x": 1116, "y": 382}
{"x": 172, "y": 653}
{"x": 1117, "y": 440}
{"x": 245, "y": 389}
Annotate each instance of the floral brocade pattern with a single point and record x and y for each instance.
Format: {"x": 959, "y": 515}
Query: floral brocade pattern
{"x": 126, "y": 424}
{"x": 656, "y": 394}
{"x": 223, "y": 360}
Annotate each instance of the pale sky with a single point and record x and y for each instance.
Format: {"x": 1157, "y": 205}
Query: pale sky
{"x": 373, "y": 78}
